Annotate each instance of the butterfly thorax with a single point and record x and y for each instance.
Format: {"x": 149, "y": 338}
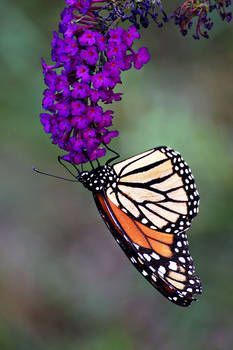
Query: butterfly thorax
{"x": 99, "y": 178}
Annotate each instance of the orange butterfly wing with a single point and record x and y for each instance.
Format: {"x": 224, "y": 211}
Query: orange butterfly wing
{"x": 162, "y": 258}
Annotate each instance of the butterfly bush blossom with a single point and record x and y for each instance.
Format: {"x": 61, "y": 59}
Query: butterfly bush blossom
{"x": 192, "y": 13}
{"x": 89, "y": 53}
{"x": 88, "y": 65}
{"x": 201, "y": 11}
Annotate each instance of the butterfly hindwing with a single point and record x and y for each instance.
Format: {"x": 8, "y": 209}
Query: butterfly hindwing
{"x": 162, "y": 258}
{"x": 157, "y": 189}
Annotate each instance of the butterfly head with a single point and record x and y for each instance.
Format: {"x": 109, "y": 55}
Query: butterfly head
{"x": 99, "y": 178}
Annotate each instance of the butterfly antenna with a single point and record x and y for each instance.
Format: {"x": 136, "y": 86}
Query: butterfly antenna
{"x": 57, "y": 177}
{"x": 111, "y": 150}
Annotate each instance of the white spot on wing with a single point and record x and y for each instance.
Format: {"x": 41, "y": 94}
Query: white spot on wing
{"x": 144, "y": 221}
{"x": 161, "y": 270}
{"x": 155, "y": 256}
{"x": 147, "y": 257}
{"x": 172, "y": 265}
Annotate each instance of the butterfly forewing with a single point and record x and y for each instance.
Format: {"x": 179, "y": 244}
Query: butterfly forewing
{"x": 157, "y": 189}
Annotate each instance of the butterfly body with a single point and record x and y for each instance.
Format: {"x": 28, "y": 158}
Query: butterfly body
{"x": 148, "y": 202}
{"x": 99, "y": 178}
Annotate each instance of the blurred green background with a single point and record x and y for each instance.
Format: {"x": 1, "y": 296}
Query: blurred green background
{"x": 64, "y": 283}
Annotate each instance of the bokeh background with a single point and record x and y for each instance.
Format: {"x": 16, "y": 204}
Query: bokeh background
{"x": 64, "y": 282}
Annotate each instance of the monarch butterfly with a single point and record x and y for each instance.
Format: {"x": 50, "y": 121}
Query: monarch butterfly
{"x": 148, "y": 202}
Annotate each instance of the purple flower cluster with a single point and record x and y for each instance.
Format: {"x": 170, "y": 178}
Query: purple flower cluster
{"x": 90, "y": 53}
{"x": 200, "y": 9}
{"x": 137, "y": 12}
{"x": 141, "y": 12}
{"x": 88, "y": 65}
